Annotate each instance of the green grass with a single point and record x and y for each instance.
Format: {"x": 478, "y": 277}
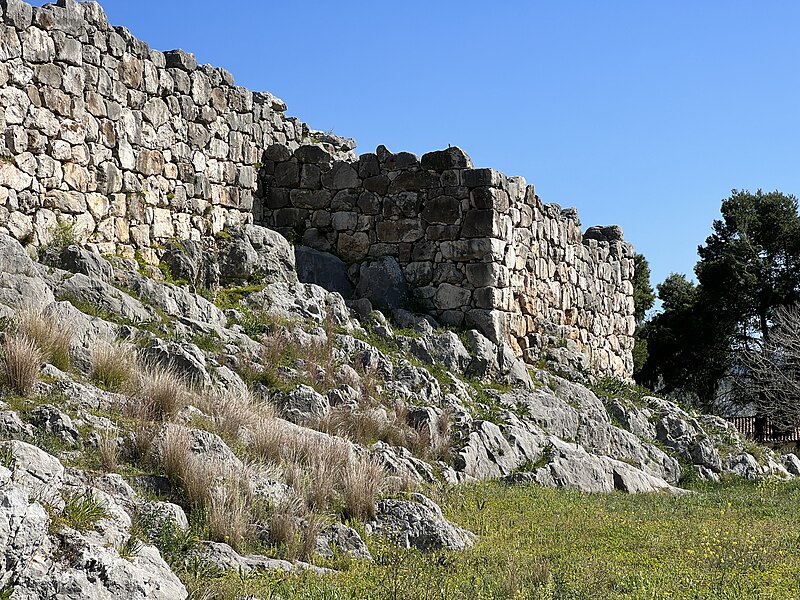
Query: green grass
{"x": 610, "y": 388}
{"x": 81, "y": 512}
{"x": 209, "y": 342}
{"x": 735, "y": 541}
{"x": 231, "y": 297}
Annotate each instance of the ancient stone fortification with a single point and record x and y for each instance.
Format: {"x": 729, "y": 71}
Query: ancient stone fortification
{"x": 476, "y": 247}
{"x": 132, "y": 147}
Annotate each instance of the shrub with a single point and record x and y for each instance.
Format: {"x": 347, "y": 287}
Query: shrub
{"x": 113, "y": 365}
{"x": 20, "y": 361}
{"x": 52, "y": 336}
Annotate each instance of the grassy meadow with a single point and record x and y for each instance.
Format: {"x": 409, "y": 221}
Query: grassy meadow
{"x": 731, "y": 541}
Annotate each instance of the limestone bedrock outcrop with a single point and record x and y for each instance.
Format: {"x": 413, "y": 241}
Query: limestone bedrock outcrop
{"x": 530, "y": 430}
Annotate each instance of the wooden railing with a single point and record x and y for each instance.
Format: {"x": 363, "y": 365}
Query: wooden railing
{"x": 761, "y": 430}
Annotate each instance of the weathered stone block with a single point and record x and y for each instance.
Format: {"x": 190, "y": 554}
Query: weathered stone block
{"x": 418, "y": 274}
{"x": 443, "y": 210}
{"x": 156, "y": 112}
{"x": 450, "y": 296}
{"x": 404, "y": 204}
{"x": 341, "y": 176}
{"x": 10, "y": 46}
{"x": 178, "y": 59}
{"x": 383, "y": 283}
{"x": 277, "y": 153}
{"x": 483, "y": 177}
{"x": 488, "y": 274}
{"x": 482, "y": 249}
{"x": 396, "y": 162}
{"x": 378, "y": 184}
{"x": 490, "y": 323}
{"x": 150, "y": 162}
{"x": 345, "y": 200}
{"x": 287, "y": 174}
{"x": 66, "y": 202}
{"x": 313, "y": 155}
{"x": 289, "y": 217}
{"x": 495, "y": 298}
{"x": 486, "y": 223}
{"x": 413, "y": 181}
{"x": 447, "y": 273}
{"x": 369, "y": 203}
{"x": 310, "y": 199}
{"x": 344, "y": 221}
{"x": 353, "y": 247}
{"x": 17, "y": 13}
{"x": 443, "y": 232}
{"x": 37, "y": 46}
{"x": 368, "y": 165}
{"x": 403, "y": 230}
{"x": 489, "y": 198}
{"x": 323, "y": 269}
{"x": 424, "y": 250}
{"x": 14, "y": 178}
{"x": 310, "y": 177}
{"x": 443, "y": 160}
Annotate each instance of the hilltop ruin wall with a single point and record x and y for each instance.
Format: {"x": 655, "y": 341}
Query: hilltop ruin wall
{"x": 477, "y": 248}
{"x": 130, "y": 147}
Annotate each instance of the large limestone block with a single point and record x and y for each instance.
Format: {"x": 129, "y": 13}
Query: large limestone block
{"x": 323, "y": 269}
{"x": 383, "y": 283}
{"x": 444, "y": 160}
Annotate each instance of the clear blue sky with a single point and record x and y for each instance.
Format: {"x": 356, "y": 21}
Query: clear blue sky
{"x": 644, "y": 114}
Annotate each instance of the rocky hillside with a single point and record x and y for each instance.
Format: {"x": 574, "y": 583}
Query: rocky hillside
{"x": 218, "y": 413}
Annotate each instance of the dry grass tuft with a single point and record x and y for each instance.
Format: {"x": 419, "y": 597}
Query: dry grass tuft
{"x": 228, "y": 516}
{"x": 285, "y": 527}
{"x": 321, "y": 469}
{"x": 114, "y": 365}
{"x": 109, "y": 451}
{"x": 20, "y": 362}
{"x": 367, "y": 424}
{"x": 143, "y": 434}
{"x": 232, "y": 411}
{"x": 52, "y": 336}
{"x": 161, "y": 392}
{"x": 219, "y": 490}
{"x": 195, "y": 476}
{"x": 361, "y": 483}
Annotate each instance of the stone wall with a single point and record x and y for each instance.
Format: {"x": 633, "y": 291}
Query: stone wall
{"x": 127, "y": 148}
{"x": 476, "y": 248}
{"x": 126, "y": 145}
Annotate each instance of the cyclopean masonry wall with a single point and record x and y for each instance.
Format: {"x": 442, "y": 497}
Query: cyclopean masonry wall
{"x": 131, "y": 147}
{"x": 476, "y": 247}
{"x": 128, "y": 145}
